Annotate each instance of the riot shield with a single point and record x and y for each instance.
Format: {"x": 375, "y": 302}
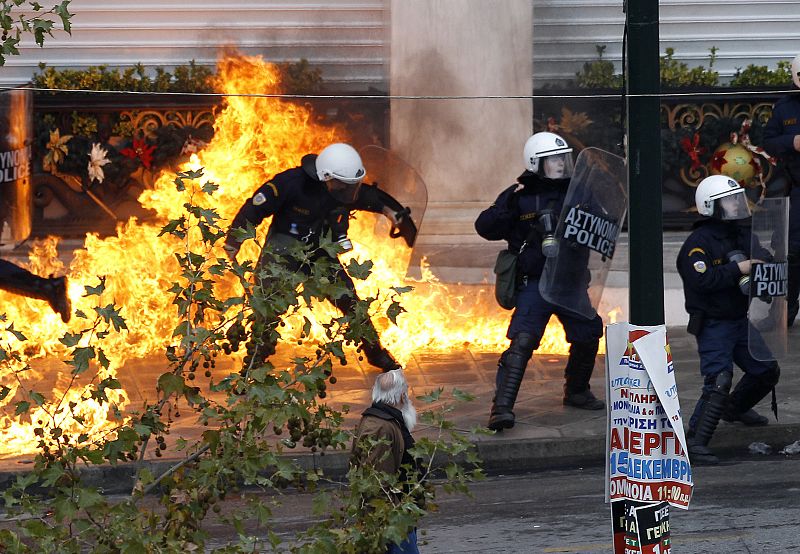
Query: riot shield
{"x": 399, "y": 180}
{"x": 586, "y": 234}
{"x": 16, "y": 190}
{"x": 767, "y": 333}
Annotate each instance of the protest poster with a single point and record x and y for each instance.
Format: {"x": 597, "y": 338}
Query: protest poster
{"x": 652, "y": 525}
{"x": 639, "y": 527}
{"x": 647, "y": 468}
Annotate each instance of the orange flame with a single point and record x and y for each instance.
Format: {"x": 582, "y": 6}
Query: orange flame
{"x": 254, "y": 139}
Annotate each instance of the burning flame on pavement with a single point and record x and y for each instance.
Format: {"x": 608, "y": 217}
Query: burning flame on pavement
{"x": 254, "y": 139}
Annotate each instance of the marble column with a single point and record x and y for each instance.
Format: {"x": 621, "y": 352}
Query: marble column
{"x": 468, "y": 149}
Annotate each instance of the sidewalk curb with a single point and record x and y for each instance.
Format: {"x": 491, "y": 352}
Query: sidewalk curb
{"x": 500, "y": 455}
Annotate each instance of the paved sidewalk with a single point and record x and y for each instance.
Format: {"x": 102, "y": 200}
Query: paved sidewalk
{"x": 546, "y": 435}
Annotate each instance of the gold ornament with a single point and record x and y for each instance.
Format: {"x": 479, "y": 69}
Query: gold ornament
{"x": 734, "y": 161}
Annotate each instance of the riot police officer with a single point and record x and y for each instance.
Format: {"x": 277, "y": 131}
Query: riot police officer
{"x": 18, "y": 280}
{"x": 782, "y": 140}
{"x": 312, "y": 201}
{"x": 524, "y": 215}
{"x": 713, "y": 263}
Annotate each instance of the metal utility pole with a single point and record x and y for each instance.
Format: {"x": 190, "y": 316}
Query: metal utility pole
{"x": 646, "y": 273}
{"x": 643, "y": 130}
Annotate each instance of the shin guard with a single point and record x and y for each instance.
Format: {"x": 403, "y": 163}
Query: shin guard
{"x": 509, "y": 378}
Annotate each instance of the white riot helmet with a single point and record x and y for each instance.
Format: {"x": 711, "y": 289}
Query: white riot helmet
{"x": 721, "y": 197}
{"x": 342, "y": 170}
{"x": 796, "y": 70}
{"x": 548, "y": 155}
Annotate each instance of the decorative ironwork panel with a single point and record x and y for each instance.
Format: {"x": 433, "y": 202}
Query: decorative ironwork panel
{"x": 692, "y": 115}
{"x": 147, "y": 121}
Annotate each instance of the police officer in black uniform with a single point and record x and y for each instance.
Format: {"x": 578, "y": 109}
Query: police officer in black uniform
{"x": 782, "y": 140}
{"x": 713, "y": 263}
{"x": 526, "y": 213}
{"x": 312, "y": 201}
{"x": 18, "y": 280}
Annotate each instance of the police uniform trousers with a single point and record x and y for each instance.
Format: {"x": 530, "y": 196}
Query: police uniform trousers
{"x": 533, "y": 312}
{"x": 721, "y": 343}
{"x": 375, "y": 353}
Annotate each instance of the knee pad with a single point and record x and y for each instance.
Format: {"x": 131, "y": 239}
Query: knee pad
{"x": 523, "y": 344}
{"x": 520, "y": 351}
{"x": 722, "y": 383}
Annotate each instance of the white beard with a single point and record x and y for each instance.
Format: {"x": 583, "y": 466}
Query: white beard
{"x": 409, "y": 415}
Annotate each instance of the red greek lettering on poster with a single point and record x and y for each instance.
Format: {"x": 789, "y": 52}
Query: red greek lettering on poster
{"x": 646, "y": 457}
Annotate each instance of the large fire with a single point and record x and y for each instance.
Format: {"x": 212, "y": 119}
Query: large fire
{"x": 255, "y": 137}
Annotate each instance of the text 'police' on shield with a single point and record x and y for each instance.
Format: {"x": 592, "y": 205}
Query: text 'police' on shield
{"x": 592, "y": 231}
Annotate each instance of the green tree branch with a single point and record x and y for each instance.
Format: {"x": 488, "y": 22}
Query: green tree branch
{"x": 21, "y": 17}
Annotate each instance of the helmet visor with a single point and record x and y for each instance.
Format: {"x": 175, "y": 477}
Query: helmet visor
{"x": 732, "y": 207}
{"x": 346, "y": 193}
{"x": 354, "y": 180}
{"x": 557, "y": 166}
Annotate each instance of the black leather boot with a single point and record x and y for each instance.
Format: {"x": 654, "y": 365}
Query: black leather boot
{"x": 751, "y": 418}
{"x": 580, "y": 366}
{"x": 748, "y": 392}
{"x": 20, "y": 281}
{"x": 510, "y": 371}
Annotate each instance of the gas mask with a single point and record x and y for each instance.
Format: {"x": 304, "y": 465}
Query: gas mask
{"x": 546, "y": 224}
{"x": 744, "y": 281}
{"x": 339, "y": 222}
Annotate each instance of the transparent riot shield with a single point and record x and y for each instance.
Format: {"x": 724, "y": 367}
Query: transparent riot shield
{"x": 398, "y": 179}
{"x": 767, "y": 334}
{"x": 16, "y": 191}
{"x": 586, "y": 235}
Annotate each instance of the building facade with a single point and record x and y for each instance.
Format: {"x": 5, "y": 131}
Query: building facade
{"x": 349, "y": 40}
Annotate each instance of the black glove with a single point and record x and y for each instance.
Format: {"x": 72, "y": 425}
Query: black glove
{"x": 404, "y": 227}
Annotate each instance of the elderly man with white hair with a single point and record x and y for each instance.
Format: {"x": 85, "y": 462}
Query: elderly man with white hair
{"x": 390, "y": 419}
{"x": 392, "y": 416}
